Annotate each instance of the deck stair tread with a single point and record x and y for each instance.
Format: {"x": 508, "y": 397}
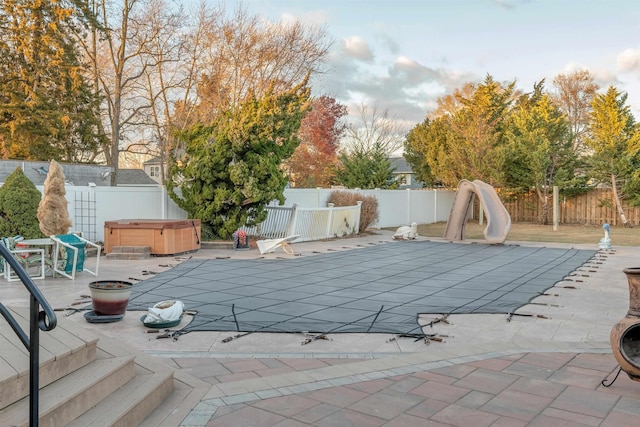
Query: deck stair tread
{"x": 188, "y": 390}
{"x": 130, "y": 404}
{"x": 61, "y": 352}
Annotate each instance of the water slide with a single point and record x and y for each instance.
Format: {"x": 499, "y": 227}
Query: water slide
{"x": 498, "y": 219}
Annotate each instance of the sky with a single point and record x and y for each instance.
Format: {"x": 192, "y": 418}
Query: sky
{"x": 402, "y": 55}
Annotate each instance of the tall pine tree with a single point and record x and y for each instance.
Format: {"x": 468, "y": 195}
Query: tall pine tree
{"x": 47, "y": 109}
{"x": 614, "y": 138}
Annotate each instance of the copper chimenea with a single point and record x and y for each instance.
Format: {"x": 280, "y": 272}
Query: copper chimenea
{"x": 625, "y": 335}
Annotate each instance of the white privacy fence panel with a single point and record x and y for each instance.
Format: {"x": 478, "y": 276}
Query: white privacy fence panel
{"x": 89, "y": 207}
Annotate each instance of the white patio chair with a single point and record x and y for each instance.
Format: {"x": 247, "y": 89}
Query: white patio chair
{"x": 27, "y": 257}
{"x": 69, "y": 255}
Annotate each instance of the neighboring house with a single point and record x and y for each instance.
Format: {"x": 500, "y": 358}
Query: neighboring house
{"x": 153, "y": 168}
{"x": 134, "y": 177}
{"x": 404, "y": 173}
{"x": 75, "y": 174}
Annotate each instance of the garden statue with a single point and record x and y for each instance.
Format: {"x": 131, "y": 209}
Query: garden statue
{"x": 605, "y": 242}
{"x": 406, "y": 232}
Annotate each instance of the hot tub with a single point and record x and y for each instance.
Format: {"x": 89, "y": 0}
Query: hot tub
{"x": 164, "y": 236}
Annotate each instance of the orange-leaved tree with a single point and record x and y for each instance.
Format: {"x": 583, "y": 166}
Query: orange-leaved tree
{"x": 313, "y": 163}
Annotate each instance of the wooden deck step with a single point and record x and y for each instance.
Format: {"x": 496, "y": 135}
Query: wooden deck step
{"x": 61, "y": 352}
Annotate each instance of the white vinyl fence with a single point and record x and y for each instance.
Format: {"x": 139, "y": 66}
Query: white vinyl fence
{"x": 90, "y": 207}
{"x": 395, "y": 207}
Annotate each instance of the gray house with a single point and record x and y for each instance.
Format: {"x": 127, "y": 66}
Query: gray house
{"x": 153, "y": 168}
{"x": 404, "y": 173}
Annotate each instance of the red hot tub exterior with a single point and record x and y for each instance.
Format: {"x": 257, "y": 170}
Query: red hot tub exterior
{"x": 163, "y": 236}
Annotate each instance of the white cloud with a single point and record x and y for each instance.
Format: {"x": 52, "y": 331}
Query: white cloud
{"x": 358, "y": 48}
{"x": 510, "y": 4}
{"x": 629, "y": 60}
{"x": 316, "y": 18}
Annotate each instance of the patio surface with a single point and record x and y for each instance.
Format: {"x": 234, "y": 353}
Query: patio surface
{"x": 542, "y": 367}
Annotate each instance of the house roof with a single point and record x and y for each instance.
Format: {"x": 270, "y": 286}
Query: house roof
{"x": 134, "y": 177}
{"x": 153, "y": 161}
{"x": 400, "y": 164}
{"x": 75, "y": 174}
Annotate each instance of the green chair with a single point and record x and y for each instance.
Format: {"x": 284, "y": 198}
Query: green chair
{"x": 69, "y": 255}
{"x": 27, "y": 257}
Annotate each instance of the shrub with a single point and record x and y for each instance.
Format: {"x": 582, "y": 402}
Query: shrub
{"x": 19, "y": 200}
{"x": 368, "y": 210}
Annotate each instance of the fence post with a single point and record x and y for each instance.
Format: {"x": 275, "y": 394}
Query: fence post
{"x": 408, "y": 206}
{"x": 293, "y": 217}
{"x": 357, "y": 227}
{"x": 555, "y": 207}
{"x": 330, "y": 221}
{"x": 435, "y": 205}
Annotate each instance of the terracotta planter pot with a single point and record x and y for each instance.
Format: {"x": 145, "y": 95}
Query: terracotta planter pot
{"x": 625, "y": 335}
{"x": 110, "y": 297}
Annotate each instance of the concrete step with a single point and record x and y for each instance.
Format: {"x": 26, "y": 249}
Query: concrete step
{"x": 132, "y": 403}
{"x": 187, "y": 391}
{"x": 131, "y": 249}
{"x": 130, "y": 252}
{"x": 217, "y": 244}
{"x": 69, "y": 397}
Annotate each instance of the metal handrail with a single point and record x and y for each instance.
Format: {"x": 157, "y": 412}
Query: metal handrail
{"x": 44, "y": 320}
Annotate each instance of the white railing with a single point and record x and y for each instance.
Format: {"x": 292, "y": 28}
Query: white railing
{"x": 308, "y": 223}
{"x": 277, "y": 224}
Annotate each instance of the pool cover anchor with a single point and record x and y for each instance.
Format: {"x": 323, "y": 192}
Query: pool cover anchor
{"x": 537, "y": 316}
{"x": 309, "y": 338}
{"x": 442, "y": 319}
{"x": 417, "y": 337}
{"x": 169, "y": 333}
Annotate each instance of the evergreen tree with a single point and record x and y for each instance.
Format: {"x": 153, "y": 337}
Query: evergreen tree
{"x": 426, "y": 148}
{"x": 47, "y": 109}
{"x": 19, "y": 200}
{"x": 365, "y": 169}
{"x": 465, "y": 140}
{"x": 231, "y": 169}
{"x": 614, "y": 138}
{"x": 538, "y": 152}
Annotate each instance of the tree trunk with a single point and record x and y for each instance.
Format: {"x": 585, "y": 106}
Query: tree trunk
{"x": 544, "y": 199}
{"x": 623, "y": 217}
